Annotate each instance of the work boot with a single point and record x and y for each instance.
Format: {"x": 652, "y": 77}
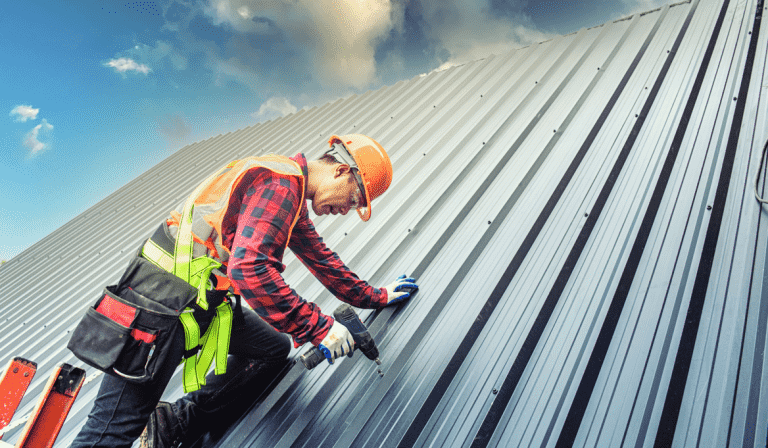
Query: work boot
{"x": 163, "y": 429}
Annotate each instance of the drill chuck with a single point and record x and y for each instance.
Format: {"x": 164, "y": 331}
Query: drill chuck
{"x": 312, "y": 358}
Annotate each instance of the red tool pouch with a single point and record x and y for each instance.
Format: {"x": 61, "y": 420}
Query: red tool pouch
{"x": 127, "y": 333}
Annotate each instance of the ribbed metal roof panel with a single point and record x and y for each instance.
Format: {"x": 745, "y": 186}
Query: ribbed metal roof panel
{"x": 579, "y": 215}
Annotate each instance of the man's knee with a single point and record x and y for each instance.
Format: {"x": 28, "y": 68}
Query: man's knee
{"x": 283, "y": 348}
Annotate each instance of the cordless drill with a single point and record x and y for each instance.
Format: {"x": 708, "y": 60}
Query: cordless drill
{"x": 346, "y": 316}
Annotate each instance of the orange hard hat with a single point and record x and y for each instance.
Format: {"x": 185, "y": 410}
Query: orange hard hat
{"x": 373, "y": 165}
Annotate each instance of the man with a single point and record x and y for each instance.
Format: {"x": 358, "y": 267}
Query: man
{"x": 244, "y": 217}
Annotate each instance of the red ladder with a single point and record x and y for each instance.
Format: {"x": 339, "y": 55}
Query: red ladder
{"x": 13, "y": 386}
{"x": 45, "y": 422}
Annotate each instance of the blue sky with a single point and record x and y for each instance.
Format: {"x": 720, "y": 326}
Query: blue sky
{"x": 95, "y": 93}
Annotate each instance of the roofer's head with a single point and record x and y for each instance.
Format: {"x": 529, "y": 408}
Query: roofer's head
{"x": 352, "y": 173}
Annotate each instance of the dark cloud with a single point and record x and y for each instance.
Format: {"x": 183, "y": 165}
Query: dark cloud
{"x": 459, "y": 31}
{"x": 176, "y": 12}
{"x": 406, "y": 50}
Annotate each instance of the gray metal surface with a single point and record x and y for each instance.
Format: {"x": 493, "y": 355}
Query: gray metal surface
{"x": 580, "y": 218}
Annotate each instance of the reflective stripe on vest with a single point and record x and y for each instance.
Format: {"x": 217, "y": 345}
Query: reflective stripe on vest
{"x": 199, "y": 230}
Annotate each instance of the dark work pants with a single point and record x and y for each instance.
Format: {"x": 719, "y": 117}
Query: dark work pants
{"x": 121, "y": 410}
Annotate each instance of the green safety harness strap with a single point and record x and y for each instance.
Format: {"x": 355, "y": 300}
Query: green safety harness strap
{"x": 214, "y": 344}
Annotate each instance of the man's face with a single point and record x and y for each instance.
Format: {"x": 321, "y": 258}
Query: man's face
{"x": 338, "y": 194}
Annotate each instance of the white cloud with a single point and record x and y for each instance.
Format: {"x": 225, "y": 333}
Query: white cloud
{"x": 142, "y": 57}
{"x": 467, "y": 31}
{"x": 122, "y": 65}
{"x": 273, "y": 108}
{"x": 155, "y": 54}
{"x": 341, "y": 35}
{"x": 244, "y": 12}
{"x": 24, "y": 113}
{"x": 32, "y": 139}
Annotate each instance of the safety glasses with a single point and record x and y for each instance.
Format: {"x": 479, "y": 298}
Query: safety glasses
{"x": 339, "y": 152}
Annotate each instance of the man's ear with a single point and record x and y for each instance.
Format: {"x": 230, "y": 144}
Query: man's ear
{"x": 342, "y": 170}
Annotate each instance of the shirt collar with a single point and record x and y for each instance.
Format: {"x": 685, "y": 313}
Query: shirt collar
{"x": 302, "y": 161}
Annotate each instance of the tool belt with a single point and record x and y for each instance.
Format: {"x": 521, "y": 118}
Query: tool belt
{"x": 130, "y": 329}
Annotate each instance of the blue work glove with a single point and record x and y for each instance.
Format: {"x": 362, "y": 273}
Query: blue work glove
{"x": 337, "y": 343}
{"x": 394, "y": 293}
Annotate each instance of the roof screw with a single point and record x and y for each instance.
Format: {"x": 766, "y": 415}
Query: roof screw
{"x": 15, "y": 370}
{"x": 598, "y": 68}
{"x": 483, "y": 142}
{"x": 734, "y": 98}
{"x": 409, "y": 230}
{"x": 495, "y": 391}
{"x": 586, "y": 214}
{"x": 26, "y": 374}
{"x": 489, "y": 222}
{"x": 709, "y": 207}
{"x": 345, "y": 233}
{"x": 481, "y": 96}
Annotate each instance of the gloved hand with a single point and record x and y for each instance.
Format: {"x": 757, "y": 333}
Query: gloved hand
{"x": 394, "y": 295}
{"x": 337, "y": 343}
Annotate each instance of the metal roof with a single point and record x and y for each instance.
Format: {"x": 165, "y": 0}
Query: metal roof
{"x": 579, "y": 215}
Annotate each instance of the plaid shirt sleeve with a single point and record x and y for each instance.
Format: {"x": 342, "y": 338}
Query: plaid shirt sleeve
{"x": 268, "y": 207}
{"x": 327, "y": 267}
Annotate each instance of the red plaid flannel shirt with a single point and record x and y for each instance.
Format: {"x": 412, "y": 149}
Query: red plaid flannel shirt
{"x": 268, "y": 202}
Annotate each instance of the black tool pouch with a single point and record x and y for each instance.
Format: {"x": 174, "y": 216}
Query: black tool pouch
{"x": 130, "y": 329}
